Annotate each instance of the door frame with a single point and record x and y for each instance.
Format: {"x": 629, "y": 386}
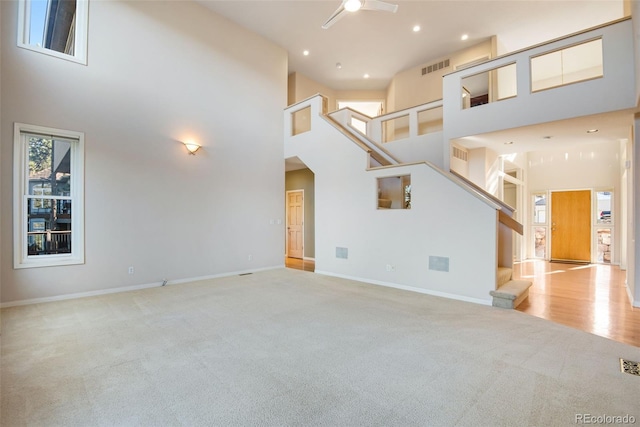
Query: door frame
{"x": 519, "y": 248}
{"x": 286, "y": 230}
{"x": 612, "y": 225}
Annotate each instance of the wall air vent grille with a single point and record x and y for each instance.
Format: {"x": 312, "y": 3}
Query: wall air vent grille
{"x": 460, "y": 153}
{"x": 435, "y": 67}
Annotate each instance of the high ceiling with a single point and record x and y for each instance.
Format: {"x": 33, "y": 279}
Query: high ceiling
{"x": 382, "y": 44}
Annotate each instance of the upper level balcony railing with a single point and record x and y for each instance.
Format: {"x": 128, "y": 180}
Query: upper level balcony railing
{"x": 410, "y": 135}
{"x": 408, "y": 123}
{"x": 582, "y": 74}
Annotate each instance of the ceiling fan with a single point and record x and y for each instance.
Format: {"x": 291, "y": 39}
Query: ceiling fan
{"x": 354, "y": 5}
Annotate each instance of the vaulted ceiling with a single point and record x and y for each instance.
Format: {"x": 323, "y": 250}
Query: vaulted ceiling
{"x": 381, "y": 44}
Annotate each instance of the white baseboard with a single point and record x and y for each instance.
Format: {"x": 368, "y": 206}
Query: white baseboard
{"x": 129, "y": 288}
{"x": 409, "y": 288}
{"x": 632, "y": 300}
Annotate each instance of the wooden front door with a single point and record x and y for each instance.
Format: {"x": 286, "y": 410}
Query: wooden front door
{"x": 295, "y": 223}
{"x": 571, "y": 226}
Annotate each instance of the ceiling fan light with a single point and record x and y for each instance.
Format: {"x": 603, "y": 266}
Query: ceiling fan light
{"x": 352, "y": 5}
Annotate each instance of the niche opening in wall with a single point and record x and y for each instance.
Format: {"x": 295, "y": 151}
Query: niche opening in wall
{"x": 301, "y": 121}
{"x": 489, "y": 86}
{"x": 394, "y": 192}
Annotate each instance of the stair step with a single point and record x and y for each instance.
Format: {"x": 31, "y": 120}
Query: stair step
{"x": 504, "y": 275}
{"x": 511, "y": 294}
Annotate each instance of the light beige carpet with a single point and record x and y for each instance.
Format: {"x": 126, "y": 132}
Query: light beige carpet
{"x": 287, "y": 347}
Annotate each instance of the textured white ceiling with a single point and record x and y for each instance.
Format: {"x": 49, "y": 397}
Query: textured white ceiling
{"x": 383, "y": 44}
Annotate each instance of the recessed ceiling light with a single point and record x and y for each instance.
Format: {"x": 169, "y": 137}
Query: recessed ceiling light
{"x": 508, "y": 143}
{"x": 592, "y": 131}
{"x": 366, "y": 76}
{"x": 305, "y": 52}
{"x": 546, "y": 137}
{"x": 416, "y": 28}
{"x": 338, "y": 65}
{"x": 464, "y": 37}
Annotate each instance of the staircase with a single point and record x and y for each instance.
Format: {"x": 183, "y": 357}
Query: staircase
{"x": 509, "y": 293}
{"x": 347, "y": 174}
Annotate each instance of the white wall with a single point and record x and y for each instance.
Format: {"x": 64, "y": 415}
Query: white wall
{"x": 420, "y": 148}
{"x": 410, "y": 87}
{"x": 158, "y": 72}
{"x": 483, "y": 169}
{"x": 445, "y": 221}
{"x": 633, "y": 275}
{"x": 635, "y": 13}
{"x": 1, "y": 157}
{"x": 585, "y": 166}
{"x": 301, "y": 87}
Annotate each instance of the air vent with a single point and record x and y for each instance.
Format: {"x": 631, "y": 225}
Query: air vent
{"x": 439, "y": 263}
{"x": 459, "y": 153}
{"x": 630, "y": 367}
{"x": 435, "y": 67}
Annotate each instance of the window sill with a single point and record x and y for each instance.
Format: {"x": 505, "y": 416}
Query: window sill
{"x": 48, "y": 261}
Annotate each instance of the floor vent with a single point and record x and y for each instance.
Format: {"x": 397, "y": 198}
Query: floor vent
{"x": 629, "y": 367}
{"x": 244, "y": 274}
{"x": 435, "y": 67}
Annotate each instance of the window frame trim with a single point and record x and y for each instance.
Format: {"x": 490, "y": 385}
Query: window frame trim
{"x": 20, "y": 166}
{"x": 81, "y": 32}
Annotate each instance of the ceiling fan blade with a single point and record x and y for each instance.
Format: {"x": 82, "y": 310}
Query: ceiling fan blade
{"x": 337, "y": 15}
{"x": 379, "y": 5}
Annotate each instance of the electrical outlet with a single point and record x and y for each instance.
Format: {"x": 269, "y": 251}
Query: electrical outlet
{"x": 391, "y": 267}
{"x": 131, "y": 269}
{"x": 250, "y": 257}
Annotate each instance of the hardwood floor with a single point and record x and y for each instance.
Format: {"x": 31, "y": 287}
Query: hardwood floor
{"x": 591, "y": 298}
{"x": 300, "y": 264}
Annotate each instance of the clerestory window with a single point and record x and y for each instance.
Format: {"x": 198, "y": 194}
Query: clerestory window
{"x": 48, "y": 196}
{"x": 54, "y": 27}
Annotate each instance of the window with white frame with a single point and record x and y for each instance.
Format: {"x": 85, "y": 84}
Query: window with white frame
{"x": 54, "y": 27}
{"x": 540, "y": 225}
{"x": 48, "y": 196}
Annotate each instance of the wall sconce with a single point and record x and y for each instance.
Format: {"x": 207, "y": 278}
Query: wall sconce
{"x": 192, "y": 147}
